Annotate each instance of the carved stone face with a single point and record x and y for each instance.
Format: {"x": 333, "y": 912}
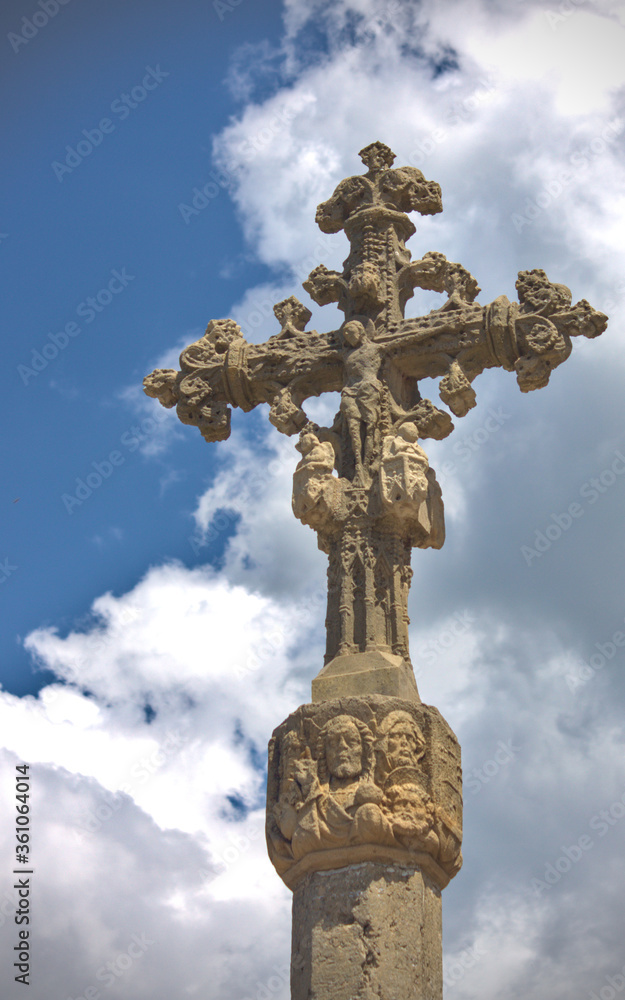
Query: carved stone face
{"x": 354, "y": 333}
{"x": 403, "y": 745}
{"x": 343, "y": 749}
{"x": 407, "y": 799}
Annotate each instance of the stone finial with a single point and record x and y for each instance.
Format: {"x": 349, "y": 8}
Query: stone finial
{"x": 376, "y": 156}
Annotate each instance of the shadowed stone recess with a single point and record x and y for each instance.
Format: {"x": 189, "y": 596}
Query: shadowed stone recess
{"x": 367, "y": 932}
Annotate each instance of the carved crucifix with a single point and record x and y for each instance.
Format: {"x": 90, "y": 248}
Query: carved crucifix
{"x": 364, "y": 484}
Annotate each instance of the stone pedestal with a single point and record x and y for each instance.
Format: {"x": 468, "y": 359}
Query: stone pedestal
{"x": 364, "y": 824}
{"x": 367, "y": 932}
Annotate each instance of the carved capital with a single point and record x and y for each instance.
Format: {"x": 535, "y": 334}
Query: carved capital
{"x": 364, "y": 779}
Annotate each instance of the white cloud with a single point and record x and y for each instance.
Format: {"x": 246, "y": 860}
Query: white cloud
{"x": 577, "y": 55}
{"x": 130, "y": 889}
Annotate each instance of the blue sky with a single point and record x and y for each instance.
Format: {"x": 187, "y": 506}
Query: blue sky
{"x": 117, "y": 210}
{"x": 158, "y": 630}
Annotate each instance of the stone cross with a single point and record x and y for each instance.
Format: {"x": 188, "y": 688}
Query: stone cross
{"x": 364, "y": 784}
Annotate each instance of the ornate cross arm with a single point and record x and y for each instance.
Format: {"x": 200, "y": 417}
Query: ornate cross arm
{"x": 461, "y": 339}
{"x": 457, "y": 341}
{"x": 367, "y": 778}
{"x": 222, "y": 369}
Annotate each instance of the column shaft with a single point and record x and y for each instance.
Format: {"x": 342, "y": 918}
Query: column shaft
{"x": 367, "y": 932}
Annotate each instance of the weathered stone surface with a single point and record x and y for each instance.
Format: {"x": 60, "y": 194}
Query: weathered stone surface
{"x": 367, "y": 932}
{"x": 365, "y": 484}
{"x": 364, "y": 799}
{"x": 358, "y": 674}
{"x": 364, "y": 779}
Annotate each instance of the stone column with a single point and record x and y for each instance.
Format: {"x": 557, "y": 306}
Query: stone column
{"x": 364, "y": 824}
{"x": 367, "y": 931}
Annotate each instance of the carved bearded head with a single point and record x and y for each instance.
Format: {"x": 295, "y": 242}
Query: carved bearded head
{"x": 402, "y": 741}
{"x": 345, "y": 748}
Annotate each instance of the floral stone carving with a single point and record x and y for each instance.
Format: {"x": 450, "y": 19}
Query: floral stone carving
{"x": 364, "y": 779}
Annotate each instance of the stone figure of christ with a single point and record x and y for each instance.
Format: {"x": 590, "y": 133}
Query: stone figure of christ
{"x": 361, "y": 395}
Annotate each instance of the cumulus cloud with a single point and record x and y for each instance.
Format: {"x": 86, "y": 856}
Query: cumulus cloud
{"x": 125, "y": 908}
{"x": 147, "y": 780}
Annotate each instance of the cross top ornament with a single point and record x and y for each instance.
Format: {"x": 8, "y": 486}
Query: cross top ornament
{"x": 365, "y": 484}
